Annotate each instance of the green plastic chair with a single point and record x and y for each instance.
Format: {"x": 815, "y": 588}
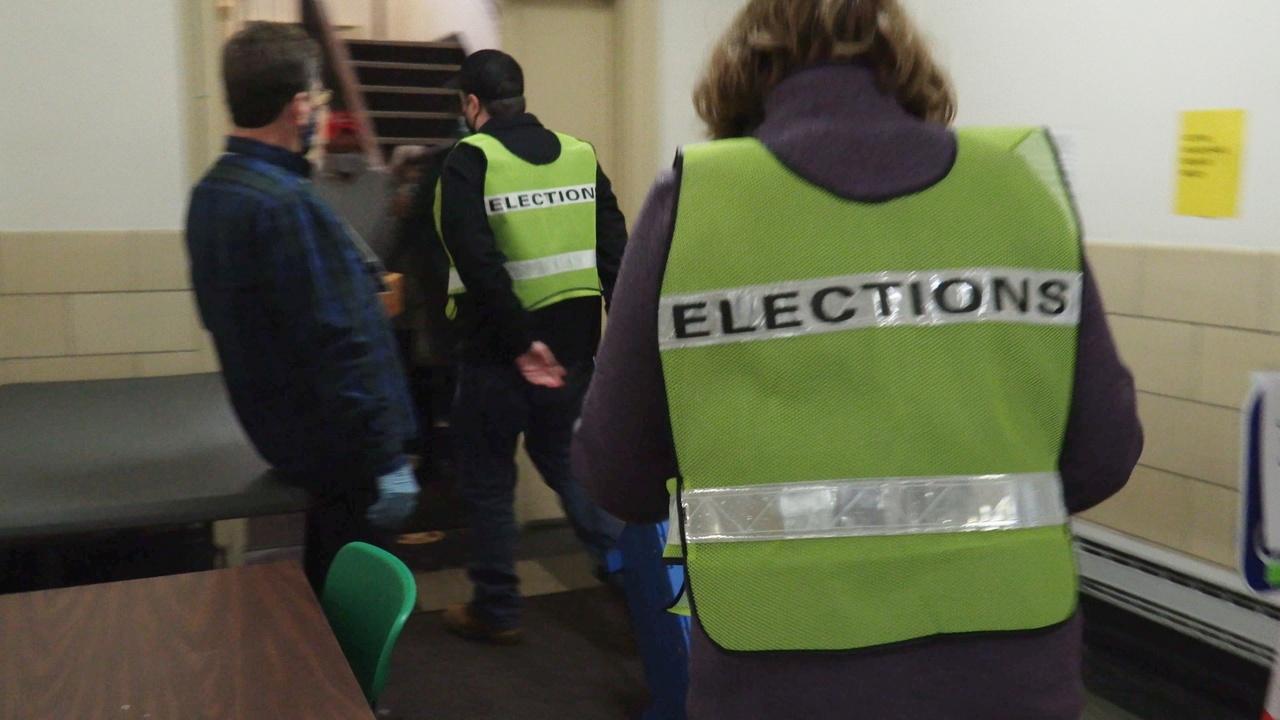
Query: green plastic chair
{"x": 368, "y": 595}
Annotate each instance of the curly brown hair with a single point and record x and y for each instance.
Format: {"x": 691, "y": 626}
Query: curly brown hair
{"x": 771, "y": 39}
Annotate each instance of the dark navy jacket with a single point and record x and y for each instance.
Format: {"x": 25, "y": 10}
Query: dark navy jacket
{"x": 307, "y": 354}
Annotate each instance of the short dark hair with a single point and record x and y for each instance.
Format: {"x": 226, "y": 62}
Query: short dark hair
{"x": 263, "y": 67}
{"x": 490, "y": 75}
{"x": 505, "y": 108}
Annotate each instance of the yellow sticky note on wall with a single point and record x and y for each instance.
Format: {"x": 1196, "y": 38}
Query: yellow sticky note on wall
{"x": 1210, "y": 148}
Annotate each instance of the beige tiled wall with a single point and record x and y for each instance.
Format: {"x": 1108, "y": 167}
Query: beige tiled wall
{"x": 1192, "y": 324}
{"x": 96, "y": 305}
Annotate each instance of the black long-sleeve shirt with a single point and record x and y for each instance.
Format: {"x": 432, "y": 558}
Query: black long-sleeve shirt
{"x": 494, "y": 326}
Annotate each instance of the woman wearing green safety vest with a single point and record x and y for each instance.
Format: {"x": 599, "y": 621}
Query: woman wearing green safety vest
{"x": 884, "y": 381}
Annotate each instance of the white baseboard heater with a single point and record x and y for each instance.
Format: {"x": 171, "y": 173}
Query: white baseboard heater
{"x": 1201, "y": 600}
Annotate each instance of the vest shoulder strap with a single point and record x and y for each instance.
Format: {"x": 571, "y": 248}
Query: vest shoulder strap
{"x": 1007, "y": 138}
{"x": 570, "y": 143}
{"x": 490, "y": 145}
{"x": 437, "y": 205}
{"x": 1011, "y": 139}
{"x": 721, "y": 151}
{"x": 483, "y": 141}
{"x": 1033, "y": 145}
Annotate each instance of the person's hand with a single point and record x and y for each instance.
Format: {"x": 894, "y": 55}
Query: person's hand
{"x": 397, "y": 499}
{"x": 539, "y": 366}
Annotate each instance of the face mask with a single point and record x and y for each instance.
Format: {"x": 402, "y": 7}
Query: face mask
{"x": 307, "y": 134}
{"x": 463, "y": 128}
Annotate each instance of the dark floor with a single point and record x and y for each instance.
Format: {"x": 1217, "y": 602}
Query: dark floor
{"x": 1153, "y": 672}
{"x": 576, "y": 662}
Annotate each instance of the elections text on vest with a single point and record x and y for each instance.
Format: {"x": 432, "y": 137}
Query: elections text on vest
{"x": 539, "y": 199}
{"x": 885, "y": 299}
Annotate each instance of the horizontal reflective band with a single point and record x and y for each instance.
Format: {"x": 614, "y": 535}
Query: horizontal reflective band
{"x": 874, "y": 507}
{"x": 554, "y": 265}
{"x": 534, "y": 269}
{"x": 539, "y": 199}
{"x": 887, "y": 299}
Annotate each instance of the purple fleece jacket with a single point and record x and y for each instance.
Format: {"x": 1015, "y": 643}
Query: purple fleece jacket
{"x": 832, "y": 126}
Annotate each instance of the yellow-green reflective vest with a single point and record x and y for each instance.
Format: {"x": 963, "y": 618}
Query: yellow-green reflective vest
{"x": 543, "y": 219}
{"x": 869, "y": 399}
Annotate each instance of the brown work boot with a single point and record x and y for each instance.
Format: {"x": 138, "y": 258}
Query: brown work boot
{"x": 461, "y": 621}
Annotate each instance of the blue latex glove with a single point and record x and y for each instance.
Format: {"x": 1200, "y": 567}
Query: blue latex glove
{"x": 397, "y": 499}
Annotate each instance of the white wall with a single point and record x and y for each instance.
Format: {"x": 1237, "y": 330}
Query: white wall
{"x": 92, "y": 131}
{"x": 1112, "y": 77}
{"x": 474, "y": 20}
{"x": 688, "y": 29}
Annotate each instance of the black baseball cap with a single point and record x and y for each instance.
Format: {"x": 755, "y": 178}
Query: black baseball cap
{"x": 490, "y": 75}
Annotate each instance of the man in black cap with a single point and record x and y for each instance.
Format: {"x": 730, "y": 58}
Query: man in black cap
{"x": 535, "y": 237}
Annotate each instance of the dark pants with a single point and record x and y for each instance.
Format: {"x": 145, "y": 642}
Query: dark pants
{"x": 493, "y": 406}
{"x": 332, "y": 522}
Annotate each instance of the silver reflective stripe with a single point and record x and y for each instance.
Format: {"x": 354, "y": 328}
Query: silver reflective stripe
{"x": 874, "y": 507}
{"x": 554, "y": 265}
{"x": 534, "y": 269}
{"x": 885, "y": 299}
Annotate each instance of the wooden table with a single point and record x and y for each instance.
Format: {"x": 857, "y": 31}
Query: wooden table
{"x": 248, "y": 642}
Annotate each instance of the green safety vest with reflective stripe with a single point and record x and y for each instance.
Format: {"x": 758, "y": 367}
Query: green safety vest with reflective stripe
{"x": 543, "y": 219}
{"x": 869, "y": 400}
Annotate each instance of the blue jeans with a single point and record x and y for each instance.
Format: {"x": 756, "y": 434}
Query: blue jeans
{"x": 492, "y": 407}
